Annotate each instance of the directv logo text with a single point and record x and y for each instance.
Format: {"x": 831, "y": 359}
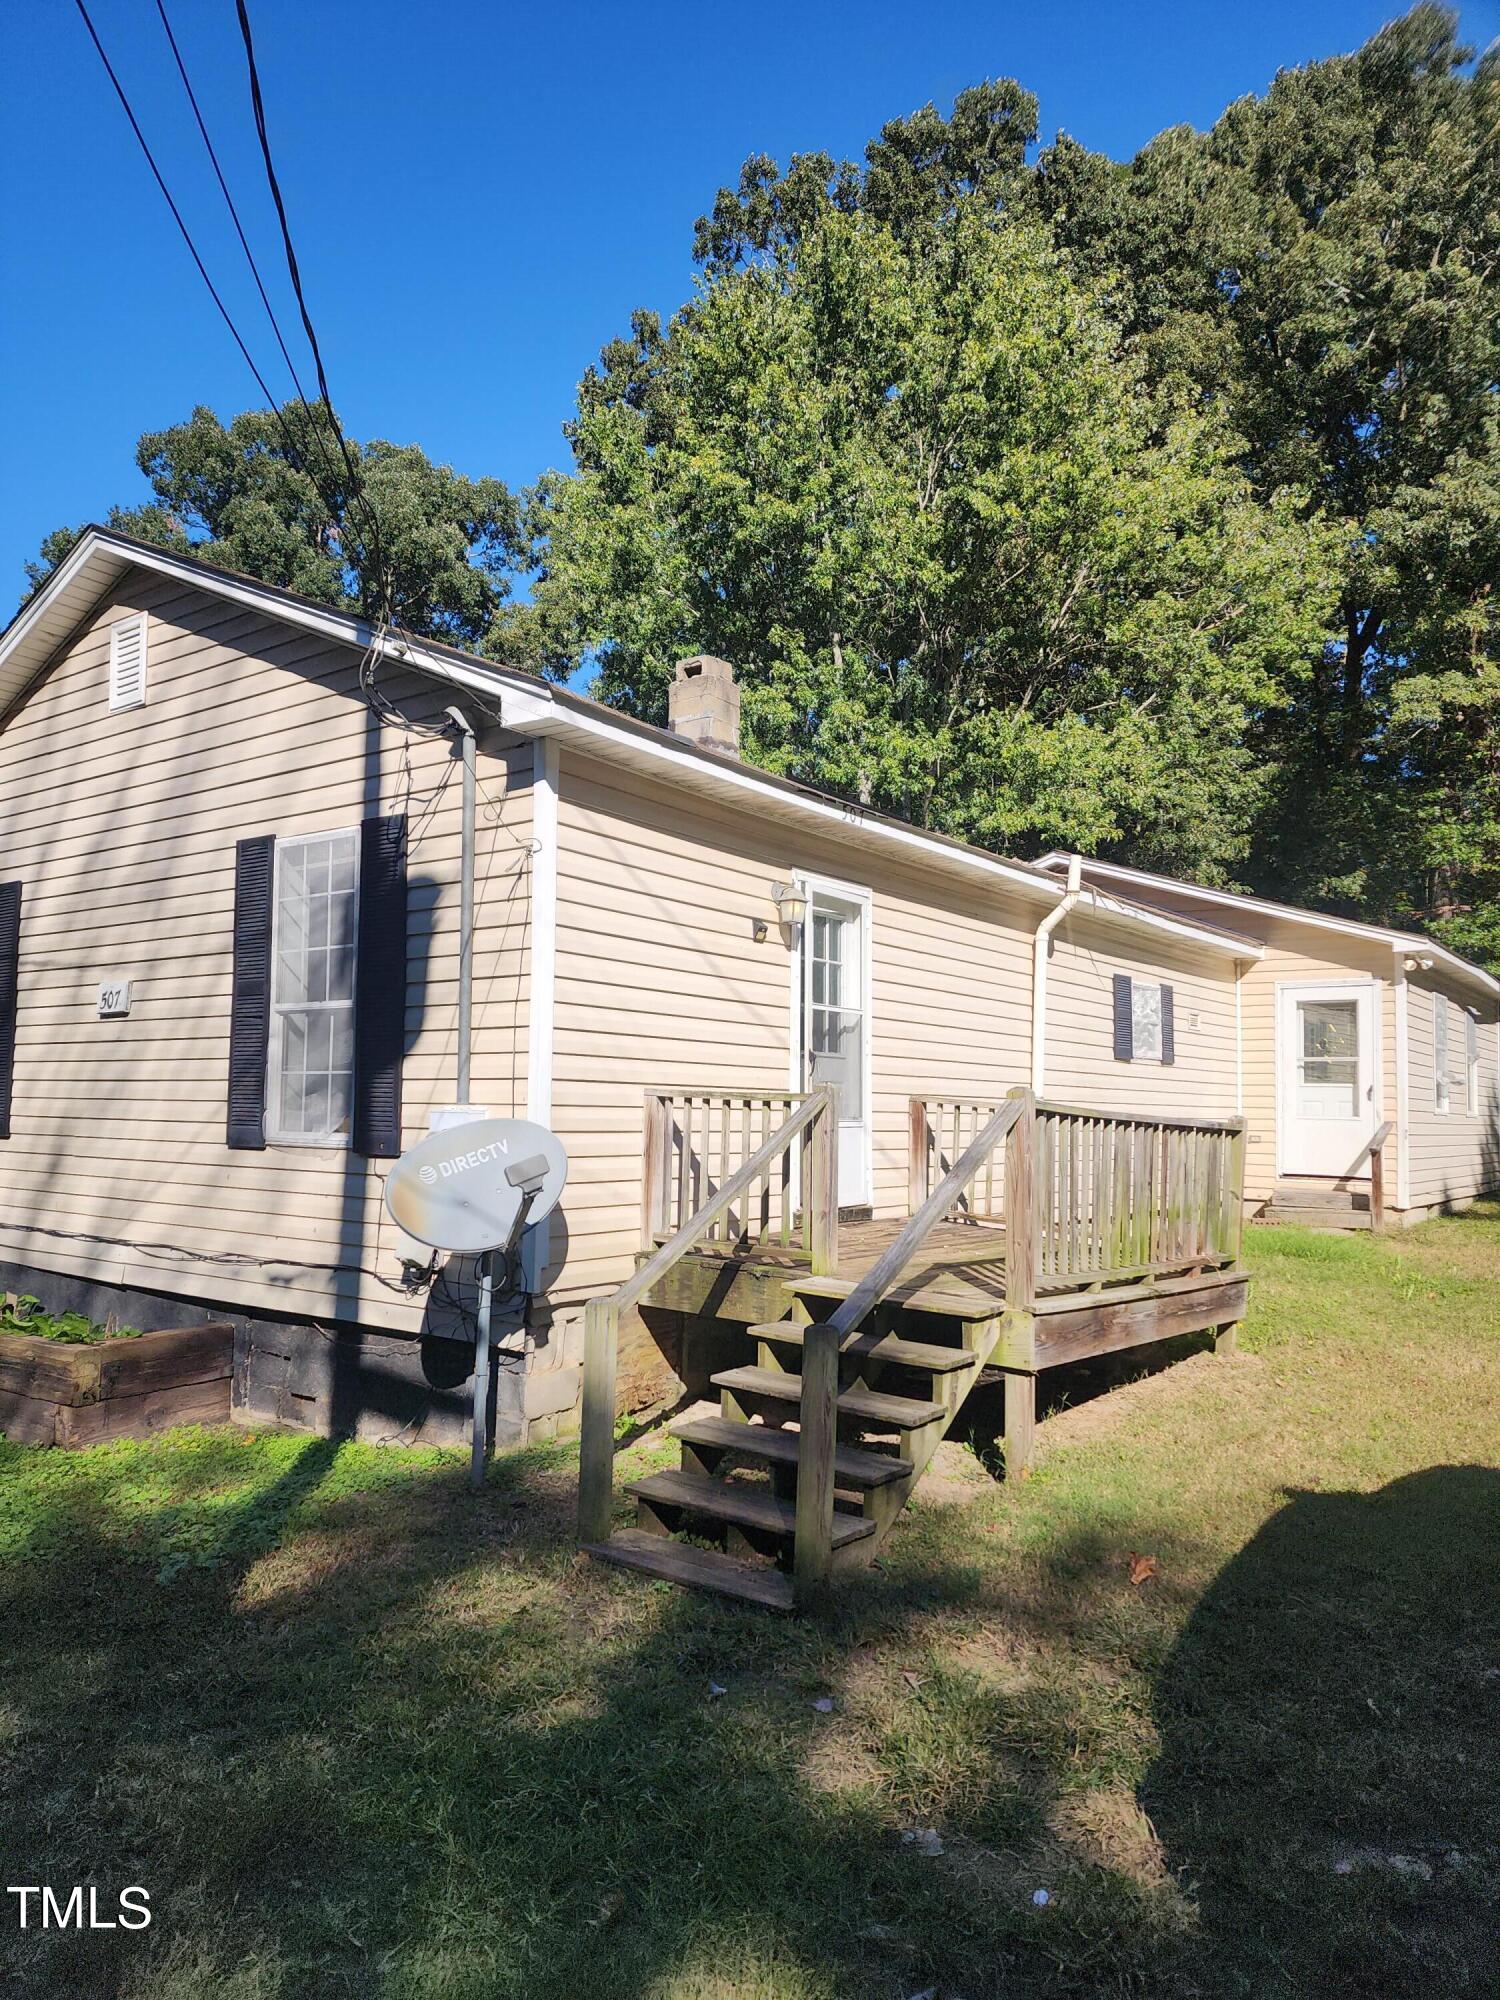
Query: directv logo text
{"x": 478, "y": 1158}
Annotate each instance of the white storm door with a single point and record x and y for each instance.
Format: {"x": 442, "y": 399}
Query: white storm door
{"x": 836, "y": 1025}
{"x": 1326, "y": 1059}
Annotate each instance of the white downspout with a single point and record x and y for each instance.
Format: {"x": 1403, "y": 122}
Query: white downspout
{"x": 1241, "y": 967}
{"x": 1039, "y": 946}
{"x": 1403, "y": 1083}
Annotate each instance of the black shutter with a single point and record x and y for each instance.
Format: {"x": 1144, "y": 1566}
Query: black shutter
{"x": 380, "y": 988}
{"x": 250, "y": 1006}
{"x": 1124, "y": 1020}
{"x": 1168, "y": 1046}
{"x": 10, "y": 959}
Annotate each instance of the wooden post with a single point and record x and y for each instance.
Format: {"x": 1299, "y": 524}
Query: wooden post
{"x": 596, "y": 1449}
{"x": 817, "y": 1441}
{"x": 822, "y": 1197}
{"x": 1020, "y": 1212}
{"x": 1020, "y": 1424}
{"x": 916, "y": 1166}
{"x": 1377, "y": 1188}
{"x": 653, "y": 1168}
{"x": 1237, "y": 1193}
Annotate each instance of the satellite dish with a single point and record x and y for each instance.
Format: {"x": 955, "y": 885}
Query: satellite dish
{"x": 462, "y": 1189}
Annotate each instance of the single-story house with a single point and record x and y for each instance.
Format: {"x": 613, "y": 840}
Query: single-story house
{"x": 1356, "y": 1044}
{"x": 230, "y": 835}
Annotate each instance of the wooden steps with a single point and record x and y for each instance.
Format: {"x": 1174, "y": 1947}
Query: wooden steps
{"x": 870, "y": 1406}
{"x": 696, "y": 1569}
{"x": 863, "y": 1471}
{"x": 952, "y": 1297}
{"x": 743, "y": 1506}
{"x": 1319, "y": 1205}
{"x": 877, "y": 1347}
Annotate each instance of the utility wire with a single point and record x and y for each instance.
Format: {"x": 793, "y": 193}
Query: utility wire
{"x": 239, "y": 228}
{"x": 293, "y": 448}
{"x": 355, "y": 481}
{"x": 177, "y": 214}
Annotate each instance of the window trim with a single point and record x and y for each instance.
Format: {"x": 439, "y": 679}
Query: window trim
{"x": 1137, "y": 1053}
{"x": 1442, "y": 1095}
{"x": 1471, "y": 1063}
{"x": 1161, "y": 988}
{"x": 329, "y": 1142}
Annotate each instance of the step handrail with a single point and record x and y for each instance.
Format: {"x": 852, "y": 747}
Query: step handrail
{"x": 818, "y": 1112}
{"x": 1014, "y": 1125}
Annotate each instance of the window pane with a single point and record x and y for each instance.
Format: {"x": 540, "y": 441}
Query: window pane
{"x": 313, "y": 987}
{"x": 1145, "y": 1020}
{"x": 1330, "y": 1028}
{"x": 1328, "y": 1065}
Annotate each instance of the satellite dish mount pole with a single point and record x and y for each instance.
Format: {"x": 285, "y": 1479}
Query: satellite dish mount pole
{"x": 528, "y": 1176}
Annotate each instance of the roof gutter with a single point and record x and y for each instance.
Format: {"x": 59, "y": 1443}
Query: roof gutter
{"x": 1040, "y": 946}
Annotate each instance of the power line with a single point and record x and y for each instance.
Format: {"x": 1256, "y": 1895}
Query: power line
{"x": 355, "y": 481}
{"x": 293, "y": 448}
{"x": 234, "y": 213}
{"x": 176, "y": 212}
{"x": 229, "y": 202}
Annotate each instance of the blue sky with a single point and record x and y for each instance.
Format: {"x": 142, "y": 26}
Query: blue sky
{"x": 480, "y": 194}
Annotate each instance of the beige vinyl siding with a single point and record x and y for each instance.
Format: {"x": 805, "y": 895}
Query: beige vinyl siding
{"x": 1081, "y": 1066}
{"x": 121, "y": 828}
{"x": 660, "y": 982}
{"x": 1454, "y": 1155}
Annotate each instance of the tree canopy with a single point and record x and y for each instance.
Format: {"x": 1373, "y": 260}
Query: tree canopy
{"x": 273, "y": 499}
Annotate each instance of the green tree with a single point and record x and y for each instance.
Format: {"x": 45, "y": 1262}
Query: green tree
{"x": 968, "y": 572}
{"x": 430, "y": 547}
{"x": 1324, "y": 264}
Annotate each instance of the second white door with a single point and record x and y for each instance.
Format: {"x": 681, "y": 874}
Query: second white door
{"x": 1326, "y": 1050}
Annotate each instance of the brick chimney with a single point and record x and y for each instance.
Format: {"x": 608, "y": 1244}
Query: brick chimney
{"x": 703, "y": 704}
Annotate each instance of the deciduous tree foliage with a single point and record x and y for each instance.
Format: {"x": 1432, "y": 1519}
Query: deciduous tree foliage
{"x": 275, "y": 503}
{"x": 969, "y": 570}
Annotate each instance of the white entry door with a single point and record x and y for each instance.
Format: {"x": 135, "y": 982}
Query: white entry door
{"x": 1326, "y": 1058}
{"x": 836, "y": 1022}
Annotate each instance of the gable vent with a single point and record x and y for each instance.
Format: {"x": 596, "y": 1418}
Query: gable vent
{"x": 127, "y": 662}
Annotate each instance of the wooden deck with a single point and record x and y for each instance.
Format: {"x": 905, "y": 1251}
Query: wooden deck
{"x": 862, "y": 1339}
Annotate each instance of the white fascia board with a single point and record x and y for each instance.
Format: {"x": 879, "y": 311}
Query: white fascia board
{"x": 1408, "y": 941}
{"x": 1232, "y": 946}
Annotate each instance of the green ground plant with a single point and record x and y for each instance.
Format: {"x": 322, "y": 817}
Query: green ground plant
{"x": 25, "y": 1314}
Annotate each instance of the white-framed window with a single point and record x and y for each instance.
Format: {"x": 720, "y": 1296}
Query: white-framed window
{"x": 1471, "y": 1063}
{"x": 1145, "y": 1021}
{"x": 314, "y": 931}
{"x": 127, "y": 662}
{"x": 1440, "y": 1052}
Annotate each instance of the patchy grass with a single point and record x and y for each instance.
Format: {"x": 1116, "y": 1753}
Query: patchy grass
{"x": 359, "y": 1734}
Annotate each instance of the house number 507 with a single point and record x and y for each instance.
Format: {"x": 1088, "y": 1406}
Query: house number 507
{"x": 114, "y": 998}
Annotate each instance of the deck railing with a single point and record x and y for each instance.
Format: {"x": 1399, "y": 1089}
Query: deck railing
{"x": 1116, "y": 1194}
{"x": 697, "y": 1140}
{"x": 941, "y": 1128}
{"x": 810, "y": 1129}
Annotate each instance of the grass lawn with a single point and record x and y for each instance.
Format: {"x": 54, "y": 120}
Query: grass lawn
{"x": 360, "y": 1734}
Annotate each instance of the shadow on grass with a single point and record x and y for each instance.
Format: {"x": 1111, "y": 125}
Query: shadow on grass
{"x": 1330, "y": 1755}
{"x": 386, "y": 1740}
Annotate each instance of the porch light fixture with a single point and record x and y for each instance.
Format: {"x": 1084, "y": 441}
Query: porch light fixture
{"x": 791, "y": 906}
